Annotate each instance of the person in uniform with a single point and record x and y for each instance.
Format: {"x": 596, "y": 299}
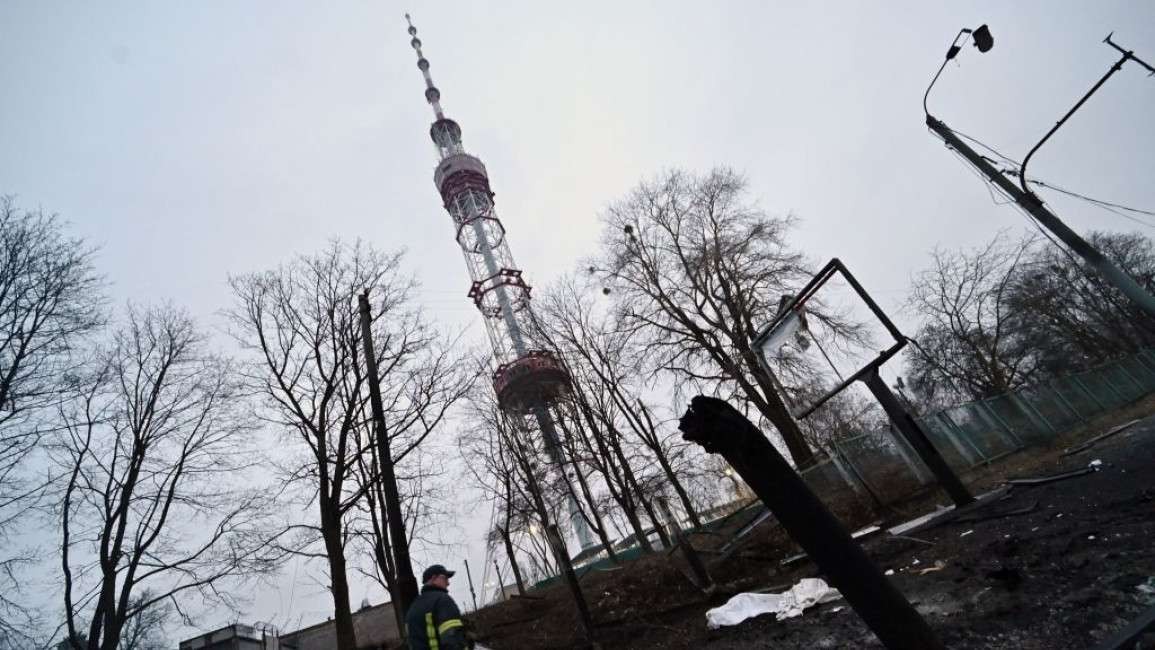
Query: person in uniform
{"x": 434, "y": 621}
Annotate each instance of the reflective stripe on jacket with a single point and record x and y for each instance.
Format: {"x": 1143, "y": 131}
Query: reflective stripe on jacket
{"x": 434, "y": 622}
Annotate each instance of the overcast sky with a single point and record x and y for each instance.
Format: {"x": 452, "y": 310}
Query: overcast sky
{"x": 194, "y": 140}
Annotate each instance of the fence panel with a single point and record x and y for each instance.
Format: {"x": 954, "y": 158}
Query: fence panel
{"x": 1077, "y": 397}
{"x": 1144, "y": 373}
{"x": 876, "y": 459}
{"x": 1011, "y": 412}
{"x": 1050, "y": 407}
{"x": 948, "y": 443}
{"x": 1098, "y": 385}
{"x": 980, "y": 431}
{"x": 1126, "y": 383}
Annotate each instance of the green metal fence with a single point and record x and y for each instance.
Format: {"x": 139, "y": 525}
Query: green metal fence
{"x": 882, "y": 466}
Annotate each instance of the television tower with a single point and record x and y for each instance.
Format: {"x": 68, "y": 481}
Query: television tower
{"x": 528, "y": 381}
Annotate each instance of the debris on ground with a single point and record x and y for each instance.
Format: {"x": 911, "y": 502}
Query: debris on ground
{"x": 1043, "y": 480}
{"x": 787, "y": 604}
{"x": 1033, "y": 581}
{"x": 1094, "y": 441}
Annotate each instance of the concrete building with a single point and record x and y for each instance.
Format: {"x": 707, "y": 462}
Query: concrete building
{"x": 233, "y": 637}
{"x": 374, "y": 625}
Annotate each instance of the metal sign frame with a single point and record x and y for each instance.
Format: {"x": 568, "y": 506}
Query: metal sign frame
{"x": 795, "y": 306}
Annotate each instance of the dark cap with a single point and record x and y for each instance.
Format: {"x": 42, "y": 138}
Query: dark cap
{"x": 436, "y": 570}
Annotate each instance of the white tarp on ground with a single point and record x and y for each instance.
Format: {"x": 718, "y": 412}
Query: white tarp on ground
{"x": 807, "y": 593}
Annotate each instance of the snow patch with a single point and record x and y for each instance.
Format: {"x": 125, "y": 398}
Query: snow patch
{"x": 788, "y": 604}
{"x": 1095, "y": 463}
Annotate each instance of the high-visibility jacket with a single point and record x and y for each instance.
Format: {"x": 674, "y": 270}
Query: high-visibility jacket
{"x": 434, "y": 622}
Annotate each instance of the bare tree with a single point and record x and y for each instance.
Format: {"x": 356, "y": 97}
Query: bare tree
{"x": 421, "y": 378}
{"x": 967, "y": 345}
{"x": 1071, "y": 316}
{"x": 301, "y": 323}
{"x": 610, "y": 356}
{"x": 492, "y": 472}
{"x": 152, "y": 511}
{"x": 146, "y": 630}
{"x": 50, "y": 299}
{"x": 698, "y": 269}
{"x": 1012, "y": 312}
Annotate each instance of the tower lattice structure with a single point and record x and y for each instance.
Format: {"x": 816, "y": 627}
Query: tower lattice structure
{"x": 529, "y": 380}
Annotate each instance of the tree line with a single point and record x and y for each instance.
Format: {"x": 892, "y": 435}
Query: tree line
{"x": 153, "y": 472}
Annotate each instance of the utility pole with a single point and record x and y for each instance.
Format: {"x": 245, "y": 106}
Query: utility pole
{"x": 1027, "y": 199}
{"x": 500, "y": 582}
{"x": 469, "y": 576}
{"x": 399, "y": 543}
{"x": 1034, "y": 206}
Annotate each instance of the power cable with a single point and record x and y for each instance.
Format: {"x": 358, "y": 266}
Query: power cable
{"x": 986, "y": 146}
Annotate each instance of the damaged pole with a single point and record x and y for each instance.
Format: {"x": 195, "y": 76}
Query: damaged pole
{"x": 914, "y": 435}
{"x": 406, "y": 583}
{"x": 720, "y": 428}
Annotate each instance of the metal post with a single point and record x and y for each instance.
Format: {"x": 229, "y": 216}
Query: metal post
{"x": 720, "y": 428}
{"x": 398, "y": 541}
{"x": 1031, "y": 203}
{"x": 917, "y": 439}
{"x": 469, "y": 576}
{"x": 500, "y": 582}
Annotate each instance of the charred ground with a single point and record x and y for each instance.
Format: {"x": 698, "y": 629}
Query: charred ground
{"x": 1074, "y": 564}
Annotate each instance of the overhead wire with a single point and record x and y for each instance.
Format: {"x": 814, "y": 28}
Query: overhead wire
{"x": 991, "y": 190}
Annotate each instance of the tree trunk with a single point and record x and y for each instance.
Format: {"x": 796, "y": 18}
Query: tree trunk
{"x": 512, "y": 561}
{"x": 622, "y": 496}
{"x": 637, "y": 490}
{"x": 687, "y": 505}
{"x": 599, "y": 525}
{"x": 664, "y": 461}
{"x": 596, "y": 522}
{"x": 335, "y": 550}
{"x": 765, "y": 396}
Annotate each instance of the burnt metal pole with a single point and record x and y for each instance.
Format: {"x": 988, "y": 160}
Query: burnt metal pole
{"x": 469, "y": 576}
{"x": 720, "y": 428}
{"x": 406, "y": 582}
{"x": 914, "y": 435}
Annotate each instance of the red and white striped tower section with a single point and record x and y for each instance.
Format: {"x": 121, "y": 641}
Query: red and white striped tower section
{"x": 528, "y": 381}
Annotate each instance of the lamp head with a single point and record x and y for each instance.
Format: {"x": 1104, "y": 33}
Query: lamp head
{"x": 983, "y": 39}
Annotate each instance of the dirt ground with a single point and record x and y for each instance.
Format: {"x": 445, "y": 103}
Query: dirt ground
{"x": 1073, "y": 565}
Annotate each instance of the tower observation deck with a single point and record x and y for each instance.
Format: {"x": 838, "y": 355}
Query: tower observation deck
{"x": 528, "y": 380}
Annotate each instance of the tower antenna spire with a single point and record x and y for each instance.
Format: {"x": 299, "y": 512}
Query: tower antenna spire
{"x": 432, "y": 94}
